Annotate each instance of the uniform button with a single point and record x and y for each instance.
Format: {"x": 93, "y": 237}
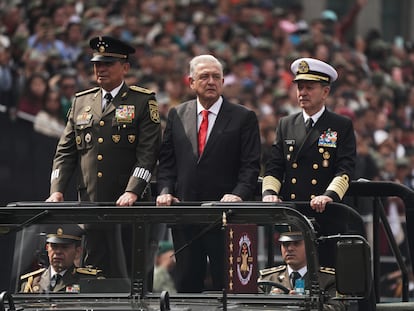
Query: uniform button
{"x": 321, "y": 150}
{"x": 101, "y": 123}
{"x": 293, "y": 180}
{"x": 294, "y": 165}
{"x": 315, "y": 166}
{"x": 124, "y": 125}
{"x": 293, "y": 196}
{"x": 100, "y": 174}
{"x": 100, "y": 140}
{"x": 100, "y": 157}
{"x": 312, "y": 196}
{"x": 291, "y": 148}
{"x": 314, "y": 181}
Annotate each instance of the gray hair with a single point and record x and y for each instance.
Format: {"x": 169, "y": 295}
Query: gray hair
{"x": 210, "y": 59}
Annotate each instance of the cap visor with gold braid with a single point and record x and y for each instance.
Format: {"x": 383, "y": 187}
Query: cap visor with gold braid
{"x": 108, "y": 49}
{"x": 310, "y": 69}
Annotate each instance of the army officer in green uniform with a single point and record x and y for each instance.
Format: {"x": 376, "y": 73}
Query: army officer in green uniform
{"x": 295, "y": 271}
{"x": 63, "y": 250}
{"x": 113, "y": 135}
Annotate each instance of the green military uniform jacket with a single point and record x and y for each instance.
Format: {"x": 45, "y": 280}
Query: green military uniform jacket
{"x": 326, "y": 278}
{"x": 116, "y": 149}
{"x": 39, "y": 281}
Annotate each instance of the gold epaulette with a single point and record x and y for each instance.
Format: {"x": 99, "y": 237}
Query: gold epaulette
{"x": 268, "y": 271}
{"x": 88, "y": 271}
{"x": 327, "y": 270}
{"x": 140, "y": 89}
{"x": 33, "y": 273}
{"x": 87, "y": 91}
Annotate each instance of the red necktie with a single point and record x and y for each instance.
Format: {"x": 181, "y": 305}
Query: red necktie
{"x": 202, "y": 133}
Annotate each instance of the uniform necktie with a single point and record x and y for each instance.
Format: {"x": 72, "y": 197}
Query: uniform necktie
{"x": 308, "y": 124}
{"x": 108, "y": 98}
{"x": 54, "y": 280}
{"x": 202, "y": 133}
{"x": 293, "y": 277}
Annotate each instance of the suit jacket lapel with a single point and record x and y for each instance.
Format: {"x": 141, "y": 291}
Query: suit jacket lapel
{"x": 313, "y": 135}
{"x": 190, "y": 125}
{"x": 44, "y": 281}
{"x": 223, "y": 118}
{"x": 117, "y": 100}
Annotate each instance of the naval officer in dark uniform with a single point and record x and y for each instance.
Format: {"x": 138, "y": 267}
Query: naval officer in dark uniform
{"x": 113, "y": 135}
{"x": 63, "y": 250}
{"x": 313, "y": 157}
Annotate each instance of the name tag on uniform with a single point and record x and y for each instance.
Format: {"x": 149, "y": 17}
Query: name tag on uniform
{"x": 125, "y": 113}
{"x": 290, "y": 142}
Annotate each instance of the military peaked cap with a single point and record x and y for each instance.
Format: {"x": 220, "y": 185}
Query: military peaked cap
{"x": 108, "y": 49}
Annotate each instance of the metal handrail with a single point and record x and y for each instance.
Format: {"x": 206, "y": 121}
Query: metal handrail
{"x": 378, "y": 190}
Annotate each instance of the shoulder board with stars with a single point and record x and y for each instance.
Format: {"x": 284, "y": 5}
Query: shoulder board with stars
{"x": 140, "y": 89}
{"x": 88, "y": 271}
{"x": 327, "y": 270}
{"x": 87, "y": 91}
{"x": 272, "y": 270}
{"x": 33, "y": 273}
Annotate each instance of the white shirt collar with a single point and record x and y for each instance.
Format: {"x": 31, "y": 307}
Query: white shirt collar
{"x": 53, "y": 272}
{"x": 213, "y": 109}
{"x": 315, "y": 117}
{"x": 114, "y": 92}
{"x": 302, "y": 271}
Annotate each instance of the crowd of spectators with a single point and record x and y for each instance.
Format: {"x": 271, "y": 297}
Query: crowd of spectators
{"x": 45, "y": 59}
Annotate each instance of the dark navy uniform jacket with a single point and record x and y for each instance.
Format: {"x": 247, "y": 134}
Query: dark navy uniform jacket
{"x": 302, "y": 165}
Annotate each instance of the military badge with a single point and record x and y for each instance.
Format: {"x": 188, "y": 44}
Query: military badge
{"x": 131, "y": 138}
{"x": 125, "y": 113}
{"x": 244, "y": 260}
{"x": 303, "y": 67}
{"x": 153, "y": 109}
{"x": 88, "y": 137}
{"x": 83, "y": 118}
{"x": 116, "y": 138}
{"x": 328, "y": 139}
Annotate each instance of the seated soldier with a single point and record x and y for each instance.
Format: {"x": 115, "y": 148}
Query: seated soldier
{"x": 293, "y": 276}
{"x": 63, "y": 250}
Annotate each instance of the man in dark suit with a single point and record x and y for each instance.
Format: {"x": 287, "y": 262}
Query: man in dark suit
{"x": 294, "y": 277}
{"x": 113, "y": 135}
{"x": 64, "y": 250}
{"x": 312, "y": 162}
{"x": 226, "y": 169}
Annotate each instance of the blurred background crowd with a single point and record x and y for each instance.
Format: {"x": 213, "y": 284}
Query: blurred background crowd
{"x": 45, "y": 60}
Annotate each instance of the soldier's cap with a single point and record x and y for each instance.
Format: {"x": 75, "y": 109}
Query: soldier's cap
{"x": 164, "y": 246}
{"x": 65, "y": 235}
{"x": 290, "y": 236}
{"x": 108, "y": 49}
{"x": 310, "y": 69}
